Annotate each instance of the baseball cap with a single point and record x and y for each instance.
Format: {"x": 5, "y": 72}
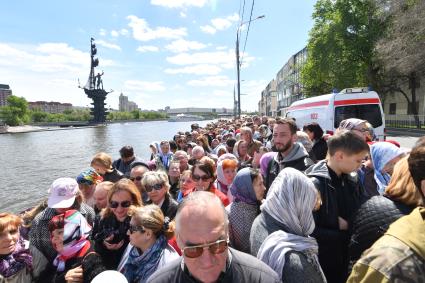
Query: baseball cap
{"x": 62, "y": 193}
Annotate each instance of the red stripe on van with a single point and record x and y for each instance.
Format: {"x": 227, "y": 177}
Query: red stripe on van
{"x": 311, "y": 104}
{"x": 356, "y": 101}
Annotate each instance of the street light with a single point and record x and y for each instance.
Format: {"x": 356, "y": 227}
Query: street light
{"x": 238, "y": 63}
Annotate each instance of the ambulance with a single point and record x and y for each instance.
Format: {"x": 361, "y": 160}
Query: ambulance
{"x": 330, "y": 109}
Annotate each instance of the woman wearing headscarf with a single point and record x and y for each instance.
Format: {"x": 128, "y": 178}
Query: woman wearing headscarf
{"x": 226, "y": 172}
{"x": 248, "y": 192}
{"x": 373, "y": 218}
{"x": 16, "y": 261}
{"x": 69, "y": 234}
{"x": 281, "y": 233}
{"x": 357, "y": 126}
{"x": 155, "y": 149}
{"x": 384, "y": 156}
{"x": 149, "y": 233}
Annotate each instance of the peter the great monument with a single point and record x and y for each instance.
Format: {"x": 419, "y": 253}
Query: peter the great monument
{"x": 94, "y": 89}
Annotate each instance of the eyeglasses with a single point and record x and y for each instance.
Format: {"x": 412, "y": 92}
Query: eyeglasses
{"x": 204, "y": 178}
{"x": 124, "y": 204}
{"x": 216, "y": 247}
{"x": 134, "y": 228}
{"x": 156, "y": 187}
{"x": 138, "y": 178}
{"x": 363, "y": 130}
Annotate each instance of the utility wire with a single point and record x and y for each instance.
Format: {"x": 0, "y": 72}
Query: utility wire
{"x": 241, "y": 15}
{"x": 247, "y": 32}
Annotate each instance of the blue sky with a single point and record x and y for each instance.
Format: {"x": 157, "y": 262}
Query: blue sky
{"x": 177, "y": 53}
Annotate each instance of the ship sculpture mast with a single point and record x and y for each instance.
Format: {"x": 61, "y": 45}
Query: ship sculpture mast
{"x": 94, "y": 89}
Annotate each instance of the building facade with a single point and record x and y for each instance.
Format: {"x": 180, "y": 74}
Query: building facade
{"x": 5, "y": 92}
{"x": 268, "y": 102}
{"x": 198, "y": 111}
{"x": 49, "y": 107}
{"x": 125, "y": 105}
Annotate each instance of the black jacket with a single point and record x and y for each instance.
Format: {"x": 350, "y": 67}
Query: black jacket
{"x": 113, "y": 176}
{"x": 341, "y": 200}
{"x": 168, "y": 207}
{"x": 298, "y": 158}
{"x": 320, "y": 149}
{"x": 242, "y": 268}
{"x": 103, "y": 228}
{"x": 371, "y": 221}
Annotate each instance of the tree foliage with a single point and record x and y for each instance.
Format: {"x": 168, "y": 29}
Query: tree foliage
{"x": 16, "y": 112}
{"x": 341, "y": 45}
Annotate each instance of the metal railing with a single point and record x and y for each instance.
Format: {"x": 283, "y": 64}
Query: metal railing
{"x": 404, "y": 121}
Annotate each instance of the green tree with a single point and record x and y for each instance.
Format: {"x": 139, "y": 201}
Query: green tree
{"x": 341, "y": 45}
{"x": 16, "y": 112}
{"x": 401, "y": 52}
{"x": 39, "y": 116}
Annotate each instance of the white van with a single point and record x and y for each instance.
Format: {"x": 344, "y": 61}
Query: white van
{"x": 330, "y": 109}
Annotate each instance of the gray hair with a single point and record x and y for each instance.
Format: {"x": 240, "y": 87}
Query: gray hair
{"x": 202, "y": 200}
{"x": 153, "y": 177}
{"x": 304, "y": 140}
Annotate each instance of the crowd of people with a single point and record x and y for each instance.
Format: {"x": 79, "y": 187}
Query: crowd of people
{"x": 251, "y": 200}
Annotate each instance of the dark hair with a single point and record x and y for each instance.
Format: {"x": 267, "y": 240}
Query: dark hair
{"x": 173, "y": 145}
{"x": 417, "y": 162}
{"x": 205, "y": 166}
{"x": 347, "y": 142}
{"x": 230, "y": 142}
{"x": 126, "y": 151}
{"x": 315, "y": 129}
{"x": 290, "y": 122}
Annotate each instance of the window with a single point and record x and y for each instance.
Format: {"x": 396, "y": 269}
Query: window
{"x": 393, "y": 107}
{"x": 369, "y": 112}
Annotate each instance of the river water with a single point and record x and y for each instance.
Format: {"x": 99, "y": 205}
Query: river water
{"x": 30, "y": 162}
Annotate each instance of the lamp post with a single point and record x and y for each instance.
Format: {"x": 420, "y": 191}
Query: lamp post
{"x": 238, "y": 62}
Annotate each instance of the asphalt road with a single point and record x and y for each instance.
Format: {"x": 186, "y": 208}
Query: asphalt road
{"x": 406, "y": 138}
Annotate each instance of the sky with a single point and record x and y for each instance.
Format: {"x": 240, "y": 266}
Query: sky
{"x": 177, "y": 53}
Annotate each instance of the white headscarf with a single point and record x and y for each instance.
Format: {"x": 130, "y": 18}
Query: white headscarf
{"x": 290, "y": 201}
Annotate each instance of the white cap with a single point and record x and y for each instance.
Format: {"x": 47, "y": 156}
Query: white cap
{"x": 62, "y": 193}
{"x": 110, "y": 276}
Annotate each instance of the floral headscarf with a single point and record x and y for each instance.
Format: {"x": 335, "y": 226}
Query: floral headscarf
{"x": 75, "y": 236}
{"x": 89, "y": 177}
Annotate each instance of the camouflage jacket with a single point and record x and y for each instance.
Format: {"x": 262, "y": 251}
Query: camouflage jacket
{"x": 398, "y": 256}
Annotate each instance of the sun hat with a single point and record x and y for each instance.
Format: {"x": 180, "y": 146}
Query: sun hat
{"x": 62, "y": 193}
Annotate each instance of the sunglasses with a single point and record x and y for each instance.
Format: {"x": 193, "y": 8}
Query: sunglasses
{"x": 124, "y": 204}
{"x": 156, "y": 187}
{"x": 134, "y": 228}
{"x": 204, "y": 178}
{"x": 138, "y": 178}
{"x": 363, "y": 130}
{"x": 216, "y": 247}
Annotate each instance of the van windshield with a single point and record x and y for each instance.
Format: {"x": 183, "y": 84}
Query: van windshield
{"x": 369, "y": 112}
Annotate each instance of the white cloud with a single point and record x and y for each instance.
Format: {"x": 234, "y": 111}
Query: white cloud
{"x": 196, "y": 69}
{"x": 208, "y": 29}
{"x": 215, "y": 81}
{"x": 225, "y": 59}
{"x": 102, "y": 32}
{"x": 115, "y": 33}
{"x": 220, "y": 24}
{"x": 108, "y": 45}
{"x": 182, "y": 45}
{"x": 221, "y": 48}
{"x": 224, "y": 93}
{"x": 183, "y": 15}
{"x": 124, "y": 31}
{"x": 142, "y": 31}
{"x": 144, "y": 86}
{"x": 147, "y": 48}
{"x": 179, "y": 3}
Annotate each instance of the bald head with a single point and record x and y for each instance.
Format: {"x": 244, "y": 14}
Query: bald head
{"x": 203, "y": 208}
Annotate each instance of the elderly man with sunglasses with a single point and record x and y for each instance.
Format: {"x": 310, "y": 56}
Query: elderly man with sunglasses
{"x": 136, "y": 175}
{"x": 202, "y": 235}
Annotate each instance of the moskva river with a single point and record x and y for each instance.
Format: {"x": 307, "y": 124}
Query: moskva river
{"x": 30, "y": 162}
